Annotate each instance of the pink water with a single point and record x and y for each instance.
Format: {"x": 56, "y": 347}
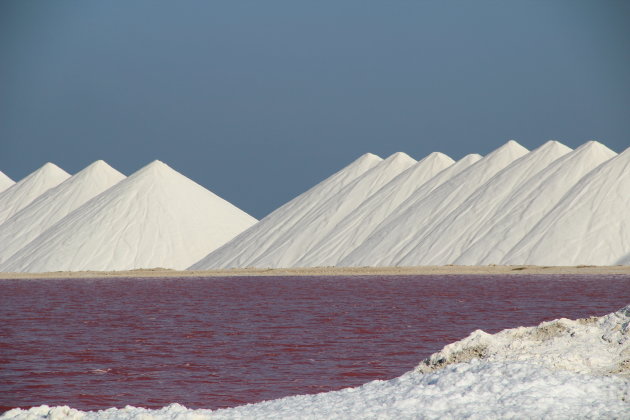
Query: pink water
{"x": 221, "y": 342}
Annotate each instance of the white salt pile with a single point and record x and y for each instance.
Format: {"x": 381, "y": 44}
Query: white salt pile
{"x": 20, "y": 195}
{"x": 561, "y": 369}
{"x": 297, "y": 241}
{"x": 53, "y": 205}
{"x": 499, "y": 209}
{"x": 244, "y": 247}
{"x": 396, "y": 237}
{"x": 529, "y": 203}
{"x": 454, "y": 231}
{"x": 154, "y": 218}
{"x": 354, "y": 228}
{"x": 5, "y": 181}
{"x": 551, "y": 206}
{"x": 589, "y": 226}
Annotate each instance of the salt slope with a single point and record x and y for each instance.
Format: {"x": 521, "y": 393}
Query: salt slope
{"x": 55, "y": 204}
{"x": 320, "y": 221}
{"x": 249, "y": 244}
{"x": 528, "y": 204}
{"x": 561, "y": 369}
{"x": 20, "y": 195}
{"x": 154, "y": 218}
{"x": 356, "y": 226}
{"x": 5, "y": 182}
{"x": 390, "y": 243}
{"x": 416, "y": 197}
{"x": 421, "y": 193}
{"x": 589, "y": 225}
{"x": 445, "y": 241}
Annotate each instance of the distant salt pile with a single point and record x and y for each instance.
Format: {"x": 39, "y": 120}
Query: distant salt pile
{"x": 154, "y": 218}
{"x": 20, "y": 195}
{"x": 527, "y": 204}
{"x": 397, "y": 236}
{"x": 5, "y": 182}
{"x": 589, "y": 226}
{"x": 355, "y": 227}
{"x": 550, "y": 206}
{"x": 454, "y": 230}
{"x": 55, "y": 204}
{"x": 510, "y": 207}
{"x": 561, "y": 369}
{"x": 270, "y": 229}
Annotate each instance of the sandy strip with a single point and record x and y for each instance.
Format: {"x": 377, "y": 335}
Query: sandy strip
{"x": 331, "y": 271}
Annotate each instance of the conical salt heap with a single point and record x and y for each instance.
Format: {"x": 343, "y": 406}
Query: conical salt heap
{"x": 154, "y": 218}
{"x": 20, "y": 195}
{"x": 54, "y": 205}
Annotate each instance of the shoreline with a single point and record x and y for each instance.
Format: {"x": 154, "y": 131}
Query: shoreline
{"x": 330, "y": 271}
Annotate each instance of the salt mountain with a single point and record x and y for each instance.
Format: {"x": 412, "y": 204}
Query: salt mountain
{"x": 244, "y": 247}
{"x": 551, "y": 206}
{"x": 241, "y": 251}
{"x": 154, "y": 218}
{"x": 354, "y": 228}
{"x": 529, "y": 203}
{"x": 511, "y": 207}
{"x": 20, "y": 195}
{"x": 589, "y": 226}
{"x": 457, "y": 229}
{"x": 396, "y": 237}
{"x": 55, "y": 204}
{"x": 291, "y": 242}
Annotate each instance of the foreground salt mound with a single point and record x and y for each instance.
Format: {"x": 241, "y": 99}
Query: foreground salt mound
{"x": 398, "y": 234}
{"x": 244, "y": 246}
{"x": 590, "y": 345}
{"x": 55, "y": 204}
{"x": 5, "y": 182}
{"x": 561, "y": 369}
{"x": 526, "y": 205}
{"x": 354, "y": 228}
{"x": 154, "y": 218}
{"x": 589, "y": 225}
{"x": 20, "y": 195}
{"x": 453, "y": 232}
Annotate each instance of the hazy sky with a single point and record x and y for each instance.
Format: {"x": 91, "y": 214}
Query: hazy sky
{"x": 259, "y": 100}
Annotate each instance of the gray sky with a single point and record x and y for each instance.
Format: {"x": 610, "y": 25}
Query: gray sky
{"x": 259, "y": 100}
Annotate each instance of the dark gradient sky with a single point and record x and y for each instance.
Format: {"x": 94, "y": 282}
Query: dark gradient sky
{"x": 259, "y": 100}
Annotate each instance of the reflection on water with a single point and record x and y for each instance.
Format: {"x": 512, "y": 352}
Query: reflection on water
{"x": 219, "y": 342}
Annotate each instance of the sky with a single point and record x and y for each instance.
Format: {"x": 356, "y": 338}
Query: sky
{"x": 260, "y": 100}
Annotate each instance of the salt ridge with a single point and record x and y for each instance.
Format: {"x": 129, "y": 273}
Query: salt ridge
{"x": 251, "y": 243}
{"x": 354, "y": 228}
{"x": 21, "y": 194}
{"x": 526, "y": 205}
{"x": 154, "y": 218}
{"x": 319, "y": 222}
{"x": 390, "y": 243}
{"x": 454, "y": 232}
{"x": 55, "y": 204}
{"x": 588, "y": 226}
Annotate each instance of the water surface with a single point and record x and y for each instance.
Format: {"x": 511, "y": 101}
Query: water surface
{"x": 221, "y": 342}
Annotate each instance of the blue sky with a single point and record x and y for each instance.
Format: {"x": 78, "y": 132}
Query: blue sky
{"x": 258, "y": 101}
